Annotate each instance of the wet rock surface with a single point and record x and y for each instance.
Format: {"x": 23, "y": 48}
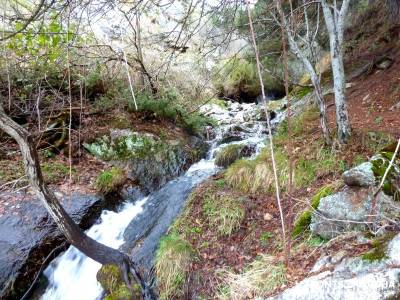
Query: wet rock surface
{"x": 144, "y": 232}
{"x": 28, "y": 235}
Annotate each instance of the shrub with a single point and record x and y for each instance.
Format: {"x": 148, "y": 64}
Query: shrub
{"x": 109, "y": 181}
{"x": 223, "y": 212}
{"x": 173, "y": 259}
{"x": 227, "y": 155}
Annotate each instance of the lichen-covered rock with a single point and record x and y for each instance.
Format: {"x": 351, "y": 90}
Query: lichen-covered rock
{"x": 351, "y": 278}
{"x": 150, "y": 161}
{"x": 345, "y": 211}
{"x": 362, "y": 175}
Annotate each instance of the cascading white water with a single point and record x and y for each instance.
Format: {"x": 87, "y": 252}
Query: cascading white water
{"x": 72, "y": 276}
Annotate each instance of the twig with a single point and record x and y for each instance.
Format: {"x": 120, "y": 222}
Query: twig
{"x": 278, "y": 199}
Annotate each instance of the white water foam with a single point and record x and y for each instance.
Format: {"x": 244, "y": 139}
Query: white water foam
{"x": 72, "y": 276}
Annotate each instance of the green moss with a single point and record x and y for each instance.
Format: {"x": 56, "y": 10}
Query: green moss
{"x": 224, "y": 212}
{"x": 109, "y": 277}
{"x": 227, "y": 155}
{"x": 219, "y": 102}
{"x": 380, "y": 164}
{"x": 109, "y": 181}
{"x": 379, "y": 248}
{"x": 303, "y": 222}
{"x": 300, "y": 92}
{"x": 173, "y": 259}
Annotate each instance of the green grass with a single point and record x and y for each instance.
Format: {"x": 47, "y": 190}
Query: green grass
{"x": 224, "y": 212}
{"x": 227, "y": 155}
{"x": 173, "y": 259}
{"x": 256, "y": 176}
{"x": 54, "y": 172}
{"x": 110, "y": 180}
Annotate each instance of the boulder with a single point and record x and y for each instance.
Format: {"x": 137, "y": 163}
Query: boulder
{"x": 28, "y": 234}
{"x": 150, "y": 161}
{"x": 351, "y": 278}
{"x": 362, "y": 175}
{"x": 345, "y": 211}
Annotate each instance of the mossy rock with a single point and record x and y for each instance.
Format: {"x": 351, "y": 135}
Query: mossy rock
{"x": 229, "y": 154}
{"x": 110, "y": 278}
{"x": 379, "y": 248}
{"x": 303, "y": 222}
{"x": 380, "y": 164}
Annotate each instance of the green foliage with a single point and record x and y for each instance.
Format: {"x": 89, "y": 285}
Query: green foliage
{"x": 224, "y": 212}
{"x": 315, "y": 241}
{"x": 173, "y": 259}
{"x": 166, "y": 107}
{"x": 227, "y": 155}
{"x": 375, "y": 141}
{"x": 300, "y": 92}
{"x": 109, "y": 181}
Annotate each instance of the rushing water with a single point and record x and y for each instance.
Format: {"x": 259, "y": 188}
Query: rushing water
{"x": 72, "y": 276}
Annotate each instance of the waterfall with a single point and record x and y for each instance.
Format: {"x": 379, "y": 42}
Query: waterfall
{"x": 72, "y": 276}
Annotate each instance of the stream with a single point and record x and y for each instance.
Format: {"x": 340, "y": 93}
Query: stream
{"x": 139, "y": 225}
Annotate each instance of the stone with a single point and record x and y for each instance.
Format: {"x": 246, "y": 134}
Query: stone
{"x": 352, "y": 278}
{"x": 345, "y": 211}
{"x": 384, "y": 64}
{"x": 268, "y": 217}
{"x": 28, "y": 234}
{"x": 362, "y": 175}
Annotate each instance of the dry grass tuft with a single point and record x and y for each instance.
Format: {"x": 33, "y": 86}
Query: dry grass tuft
{"x": 260, "y": 278}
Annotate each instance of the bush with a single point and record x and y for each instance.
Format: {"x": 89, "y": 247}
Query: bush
{"x": 173, "y": 259}
{"x": 109, "y": 181}
{"x": 165, "y": 107}
{"x": 227, "y": 155}
{"x": 224, "y": 212}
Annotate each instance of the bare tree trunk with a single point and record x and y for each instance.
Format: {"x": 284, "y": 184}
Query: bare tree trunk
{"x": 335, "y": 24}
{"x": 314, "y": 79}
{"x": 91, "y": 248}
{"x": 139, "y": 47}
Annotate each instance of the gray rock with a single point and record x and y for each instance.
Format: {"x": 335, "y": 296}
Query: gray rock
{"x": 28, "y": 235}
{"x": 345, "y": 211}
{"x": 362, "y": 175}
{"x": 353, "y": 278}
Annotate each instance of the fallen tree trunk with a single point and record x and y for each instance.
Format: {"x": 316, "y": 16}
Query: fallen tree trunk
{"x": 75, "y": 236}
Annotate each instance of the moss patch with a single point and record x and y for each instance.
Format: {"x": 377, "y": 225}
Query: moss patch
{"x": 109, "y": 181}
{"x": 379, "y": 248}
{"x": 109, "y": 276}
{"x": 303, "y": 222}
